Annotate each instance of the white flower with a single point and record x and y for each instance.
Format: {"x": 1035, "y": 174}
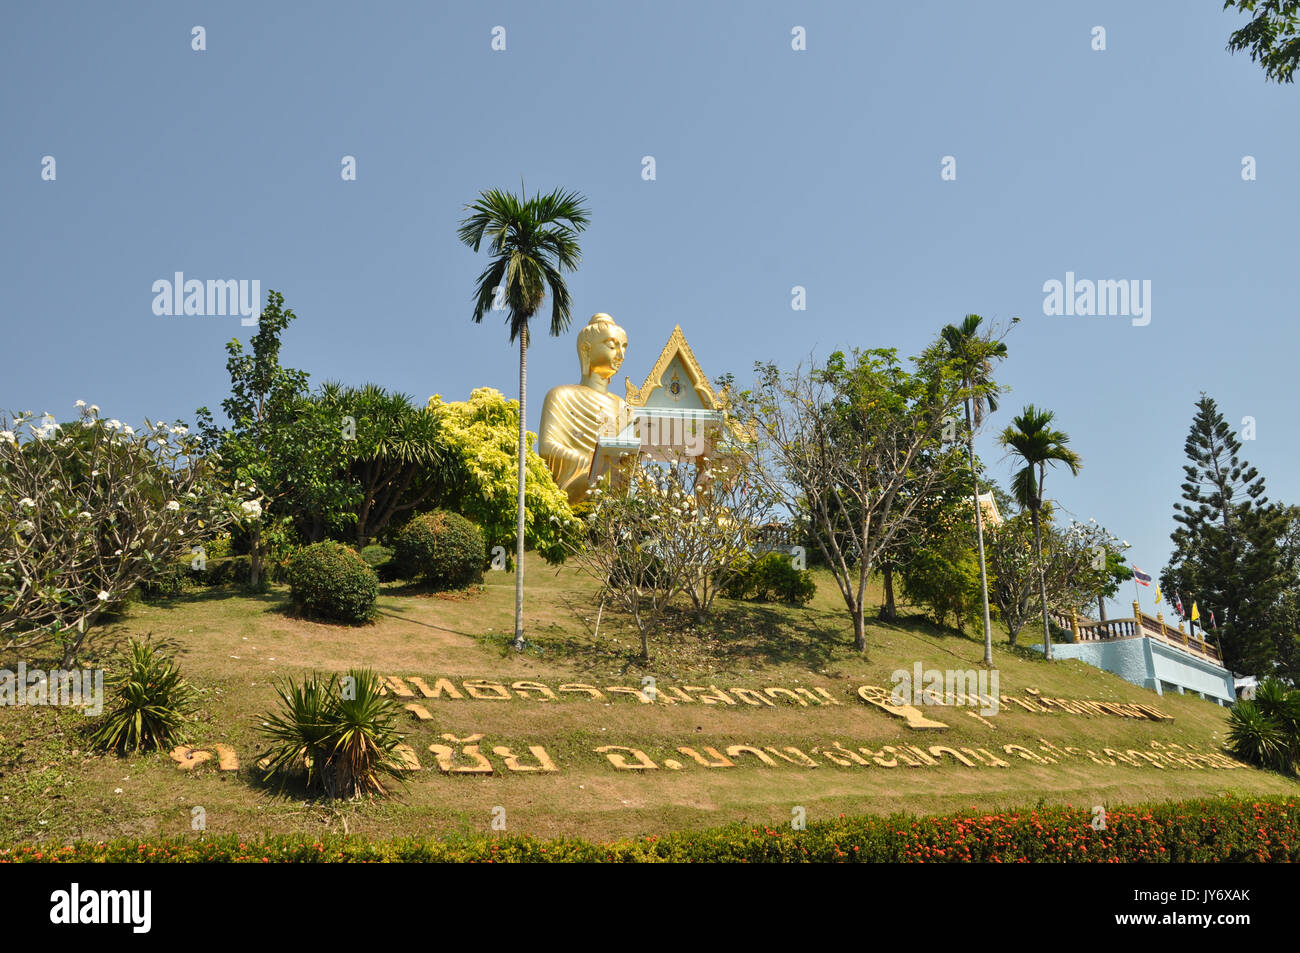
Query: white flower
{"x": 173, "y": 505}
{"x": 84, "y": 515}
{"x": 26, "y": 526}
{"x": 113, "y": 424}
{"x": 128, "y": 431}
{"x": 103, "y": 595}
{"x": 27, "y": 501}
{"x": 7, "y": 436}
{"x": 94, "y": 408}
{"x": 180, "y": 431}
{"x": 252, "y": 509}
{"x": 80, "y": 403}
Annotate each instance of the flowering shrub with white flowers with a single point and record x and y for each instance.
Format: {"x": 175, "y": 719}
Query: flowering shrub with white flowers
{"x": 659, "y": 530}
{"x": 89, "y": 510}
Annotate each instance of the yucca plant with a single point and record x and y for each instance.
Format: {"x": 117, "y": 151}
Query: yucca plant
{"x": 300, "y": 729}
{"x": 1256, "y": 738}
{"x": 154, "y": 704}
{"x": 341, "y": 733}
{"x": 1282, "y": 704}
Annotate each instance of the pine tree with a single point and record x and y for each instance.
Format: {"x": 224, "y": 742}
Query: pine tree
{"x": 1227, "y": 553}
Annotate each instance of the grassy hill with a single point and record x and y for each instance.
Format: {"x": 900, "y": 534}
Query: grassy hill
{"x": 233, "y": 646}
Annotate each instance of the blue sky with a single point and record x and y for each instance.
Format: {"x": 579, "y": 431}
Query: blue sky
{"x": 775, "y": 168}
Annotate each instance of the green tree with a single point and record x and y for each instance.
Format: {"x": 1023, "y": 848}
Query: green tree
{"x": 280, "y": 441}
{"x": 1228, "y": 545}
{"x": 533, "y": 242}
{"x": 974, "y": 354}
{"x": 1078, "y": 566}
{"x": 1031, "y": 438}
{"x": 844, "y": 447}
{"x": 1272, "y": 36}
{"x": 480, "y": 437}
{"x": 393, "y": 452}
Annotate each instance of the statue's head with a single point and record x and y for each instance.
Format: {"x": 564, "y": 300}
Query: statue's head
{"x": 602, "y": 345}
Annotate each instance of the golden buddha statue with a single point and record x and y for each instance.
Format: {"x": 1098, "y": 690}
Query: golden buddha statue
{"x": 575, "y": 416}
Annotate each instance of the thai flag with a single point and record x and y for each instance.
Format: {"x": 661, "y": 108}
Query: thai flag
{"x": 1142, "y": 578}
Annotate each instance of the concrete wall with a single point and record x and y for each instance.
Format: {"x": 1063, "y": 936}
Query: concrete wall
{"x": 1148, "y": 662}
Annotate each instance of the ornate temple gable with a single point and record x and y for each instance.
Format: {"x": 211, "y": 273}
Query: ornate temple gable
{"x": 678, "y": 379}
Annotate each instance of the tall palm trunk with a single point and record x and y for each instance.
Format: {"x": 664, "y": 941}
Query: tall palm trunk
{"x": 1042, "y": 580}
{"x": 979, "y": 534}
{"x": 523, "y": 460}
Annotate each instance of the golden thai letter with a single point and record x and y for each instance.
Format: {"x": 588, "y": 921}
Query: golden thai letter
{"x": 904, "y": 755}
{"x": 446, "y": 756}
{"x": 879, "y": 758}
{"x": 924, "y": 758}
{"x": 799, "y": 758}
{"x": 1013, "y": 700}
{"x": 641, "y": 696}
{"x": 187, "y": 758}
{"x": 677, "y": 693}
{"x": 397, "y": 685}
{"x": 1066, "y": 705}
{"x": 1051, "y": 749}
{"x": 916, "y": 720}
{"x": 227, "y": 760}
{"x": 939, "y": 750}
{"x": 718, "y": 760}
{"x": 406, "y": 759}
{"x": 751, "y": 697}
{"x": 736, "y": 750}
{"x": 711, "y": 695}
{"x": 544, "y": 763}
{"x": 591, "y": 690}
{"x": 773, "y": 692}
{"x": 419, "y": 711}
{"x": 1112, "y": 753}
{"x": 830, "y": 699}
{"x": 808, "y": 694}
{"x": 523, "y": 688}
{"x": 1155, "y": 714}
{"x": 484, "y": 690}
{"x": 1107, "y": 761}
{"x": 1023, "y": 752}
{"x": 617, "y": 760}
{"x": 838, "y": 754}
{"x": 442, "y": 686}
{"x": 985, "y": 755}
{"x": 1147, "y": 757}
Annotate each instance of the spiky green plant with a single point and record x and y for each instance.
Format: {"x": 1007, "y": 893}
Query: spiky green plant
{"x": 154, "y": 703}
{"x": 1277, "y": 701}
{"x": 340, "y": 732}
{"x": 1256, "y": 738}
{"x": 300, "y": 729}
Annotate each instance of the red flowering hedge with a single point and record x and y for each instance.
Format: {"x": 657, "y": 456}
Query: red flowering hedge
{"x": 1191, "y": 831}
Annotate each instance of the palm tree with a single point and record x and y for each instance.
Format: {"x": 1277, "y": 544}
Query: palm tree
{"x": 973, "y": 354}
{"x": 1030, "y": 438}
{"x": 533, "y": 241}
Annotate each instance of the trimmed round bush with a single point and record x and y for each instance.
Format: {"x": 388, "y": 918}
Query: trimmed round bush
{"x": 329, "y": 581}
{"x": 441, "y": 548}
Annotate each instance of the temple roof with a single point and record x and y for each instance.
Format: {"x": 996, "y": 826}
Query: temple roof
{"x": 678, "y": 356}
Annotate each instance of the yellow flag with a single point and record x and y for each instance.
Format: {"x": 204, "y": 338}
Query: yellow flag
{"x": 1157, "y": 593}
{"x": 1196, "y": 613}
